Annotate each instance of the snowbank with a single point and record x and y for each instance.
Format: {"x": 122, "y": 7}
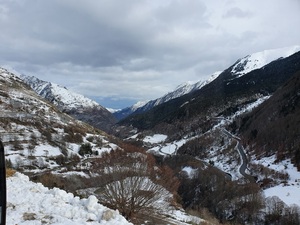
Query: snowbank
{"x": 32, "y": 203}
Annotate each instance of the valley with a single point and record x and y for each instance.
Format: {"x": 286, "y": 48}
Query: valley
{"x": 214, "y": 152}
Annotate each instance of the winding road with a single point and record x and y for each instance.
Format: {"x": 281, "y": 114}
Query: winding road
{"x": 243, "y": 156}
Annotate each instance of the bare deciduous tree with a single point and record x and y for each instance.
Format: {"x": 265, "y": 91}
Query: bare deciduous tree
{"x": 130, "y": 181}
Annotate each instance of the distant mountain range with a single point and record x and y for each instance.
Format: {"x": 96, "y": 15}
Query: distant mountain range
{"x": 91, "y": 112}
{"x": 241, "y": 67}
{"x": 250, "y": 77}
{"x": 182, "y": 89}
{"x": 74, "y": 104}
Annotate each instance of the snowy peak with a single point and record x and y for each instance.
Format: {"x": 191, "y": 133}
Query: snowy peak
{"x": 139, "y": 105}
{"x": 185, "y": 88}
{"x": 181, "y": 90}
{"x": 260, "y": 59}
{"x": 58, "y": 95}
{"x": 188, "y": 87}
{"x": 74, "y": 104}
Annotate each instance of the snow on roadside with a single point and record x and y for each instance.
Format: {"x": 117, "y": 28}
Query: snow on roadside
{"x": 32, "y": 203}
{"x": 222, "y": 121}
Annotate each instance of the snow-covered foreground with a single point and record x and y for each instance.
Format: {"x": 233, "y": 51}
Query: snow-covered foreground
{"x": 31, "y": 203}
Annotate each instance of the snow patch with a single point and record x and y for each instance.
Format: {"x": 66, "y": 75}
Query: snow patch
{"x": 290, "y": 192}
{"x": 155, "y": 139}
{"x": 189, "y": 170}
{"x": 290, "y": 195}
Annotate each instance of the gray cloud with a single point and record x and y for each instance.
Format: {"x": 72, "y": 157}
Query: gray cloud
{"x": 135, "y": 50}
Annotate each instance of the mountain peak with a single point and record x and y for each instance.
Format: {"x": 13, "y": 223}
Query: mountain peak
{"x": 260, "y": 59}
{"x": 59, "y": 95}
{"x": 76, "y": 105}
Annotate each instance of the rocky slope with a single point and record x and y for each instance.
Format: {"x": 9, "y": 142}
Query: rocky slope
{"x": 74, "y": 104}
{"x": 34, "y": 132}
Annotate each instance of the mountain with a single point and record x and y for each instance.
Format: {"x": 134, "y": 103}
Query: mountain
{"x": 237, "y": 136}
{"x": 259, "y": 59}
{"x": 241, "y": 67}
{"x": 38, "y": 139}
{"x": 74, "y": 104}
{"x": 273, "y": 127}
{"x": 181, "y": 90}
{"x": 32, "y": 127}
{"x": 123, "y": 113}
{"x": 222, "y": 96}
{"x": 63, "y": 154}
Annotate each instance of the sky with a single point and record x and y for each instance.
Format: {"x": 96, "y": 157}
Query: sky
{"x": 118, "y": 52}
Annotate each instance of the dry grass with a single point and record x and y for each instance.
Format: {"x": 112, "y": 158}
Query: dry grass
{"x": 10, "y": 172}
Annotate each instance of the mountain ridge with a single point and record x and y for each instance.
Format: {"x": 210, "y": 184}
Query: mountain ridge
{"x": 180, "y": 90}
{"x": 223, "y": 93}
{"x": 72, "y": 103}
{"x": 241, "y": 67}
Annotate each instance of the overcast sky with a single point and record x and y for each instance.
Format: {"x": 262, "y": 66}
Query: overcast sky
{"x": 119, "y": 52}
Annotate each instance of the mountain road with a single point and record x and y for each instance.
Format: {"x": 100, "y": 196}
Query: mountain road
{"x": 243, "y": 156}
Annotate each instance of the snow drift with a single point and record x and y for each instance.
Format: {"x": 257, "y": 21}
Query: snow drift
{"x": 32, "y": 203}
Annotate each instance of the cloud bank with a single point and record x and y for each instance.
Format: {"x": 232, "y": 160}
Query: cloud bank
{"x": 120, "y": 52}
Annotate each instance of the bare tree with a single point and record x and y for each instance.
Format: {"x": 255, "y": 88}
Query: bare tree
{"x": 130, "y": 182}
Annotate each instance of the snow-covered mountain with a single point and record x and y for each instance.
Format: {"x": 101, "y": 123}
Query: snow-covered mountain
{"x": 206, "y": 124}
{"x": 63, "y": 98}
{"x": 74, "y": 104}
{"x": 180, "y": 90}
{"x": 32, "y": 127}
{"x": 241, "y": 67}
{"x": 259, "y": 59}
{"x": 58, "y": 151}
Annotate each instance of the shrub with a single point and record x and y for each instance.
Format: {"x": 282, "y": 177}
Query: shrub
{"x": 85, "y": 149}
